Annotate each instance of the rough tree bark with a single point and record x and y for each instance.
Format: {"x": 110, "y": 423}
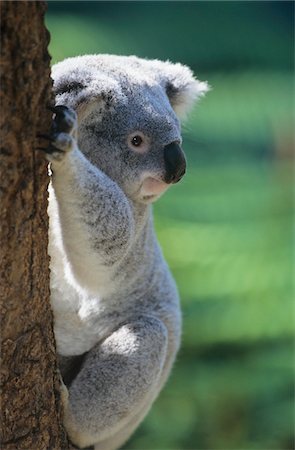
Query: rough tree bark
{"x": 31, "y": 409}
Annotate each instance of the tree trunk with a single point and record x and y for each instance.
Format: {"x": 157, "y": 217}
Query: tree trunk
{"x": 31, "y": 406}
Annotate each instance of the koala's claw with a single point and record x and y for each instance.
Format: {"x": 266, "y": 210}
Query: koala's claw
{"x": 61, "y": 138}
{"x": 50, "y": 149}
{"x": 45, "y": 136}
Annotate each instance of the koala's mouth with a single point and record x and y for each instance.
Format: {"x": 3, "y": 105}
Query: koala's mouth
{"x": 152, "y": 188}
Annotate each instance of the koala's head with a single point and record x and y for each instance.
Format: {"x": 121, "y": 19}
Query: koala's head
{"x": 128, "y": 110}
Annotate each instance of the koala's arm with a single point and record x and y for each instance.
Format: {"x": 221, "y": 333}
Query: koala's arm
{"x": 116, "y": 384}
{"x": 96, "y": 219}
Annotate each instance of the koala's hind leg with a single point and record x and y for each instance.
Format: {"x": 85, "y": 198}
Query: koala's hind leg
{"x": 116, "y": 441}
{"x": 116, "y": 384}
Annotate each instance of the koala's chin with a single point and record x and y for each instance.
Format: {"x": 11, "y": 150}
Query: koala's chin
{"x": 151, "y": 189}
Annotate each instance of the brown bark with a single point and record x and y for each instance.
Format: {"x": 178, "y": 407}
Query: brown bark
{"x": 30, "y": 399}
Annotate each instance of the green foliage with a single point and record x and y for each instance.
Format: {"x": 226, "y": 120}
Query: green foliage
{"x": 226, "y": 229}
{"x": 203, "y": 34}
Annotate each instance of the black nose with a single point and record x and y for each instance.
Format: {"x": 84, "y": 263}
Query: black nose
{"x": 175, "y": 162}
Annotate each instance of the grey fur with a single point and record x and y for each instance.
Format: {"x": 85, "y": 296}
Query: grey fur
{"x": 116, "y": 306}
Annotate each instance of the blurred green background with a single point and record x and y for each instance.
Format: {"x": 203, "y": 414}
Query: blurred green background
{"x": 226, "y": 229}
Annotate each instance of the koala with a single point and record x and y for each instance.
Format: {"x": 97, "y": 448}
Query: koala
{"x": 114, "y": 148}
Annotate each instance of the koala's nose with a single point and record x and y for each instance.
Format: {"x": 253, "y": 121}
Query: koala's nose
{"x": 175, "y": 162}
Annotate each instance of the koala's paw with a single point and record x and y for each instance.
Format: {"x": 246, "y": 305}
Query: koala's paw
{"x": 62, "y": 136}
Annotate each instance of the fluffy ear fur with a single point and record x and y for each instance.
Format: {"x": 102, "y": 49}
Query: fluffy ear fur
{"x": 81, "y": 80}
{"x": 77, "y": 82}
{"x": 182, "y": 88}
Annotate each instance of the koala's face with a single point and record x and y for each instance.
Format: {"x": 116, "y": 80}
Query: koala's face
{"x": 128, "y": 125}
{"x": 136, "y": 142}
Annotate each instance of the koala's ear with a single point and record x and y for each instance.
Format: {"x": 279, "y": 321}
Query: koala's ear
{"x": 181, "y": 87}
{"x": 78, "y": 83}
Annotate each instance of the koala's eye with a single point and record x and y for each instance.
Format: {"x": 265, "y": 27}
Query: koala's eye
{"x": 136, "y": 141}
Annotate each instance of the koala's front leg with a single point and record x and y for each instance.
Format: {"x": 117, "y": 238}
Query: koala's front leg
{"x": 94, "y": 215}
{"x": 117, "y": 383}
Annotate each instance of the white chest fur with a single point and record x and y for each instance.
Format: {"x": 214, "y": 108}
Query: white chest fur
{"x": 79, "y": 320}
